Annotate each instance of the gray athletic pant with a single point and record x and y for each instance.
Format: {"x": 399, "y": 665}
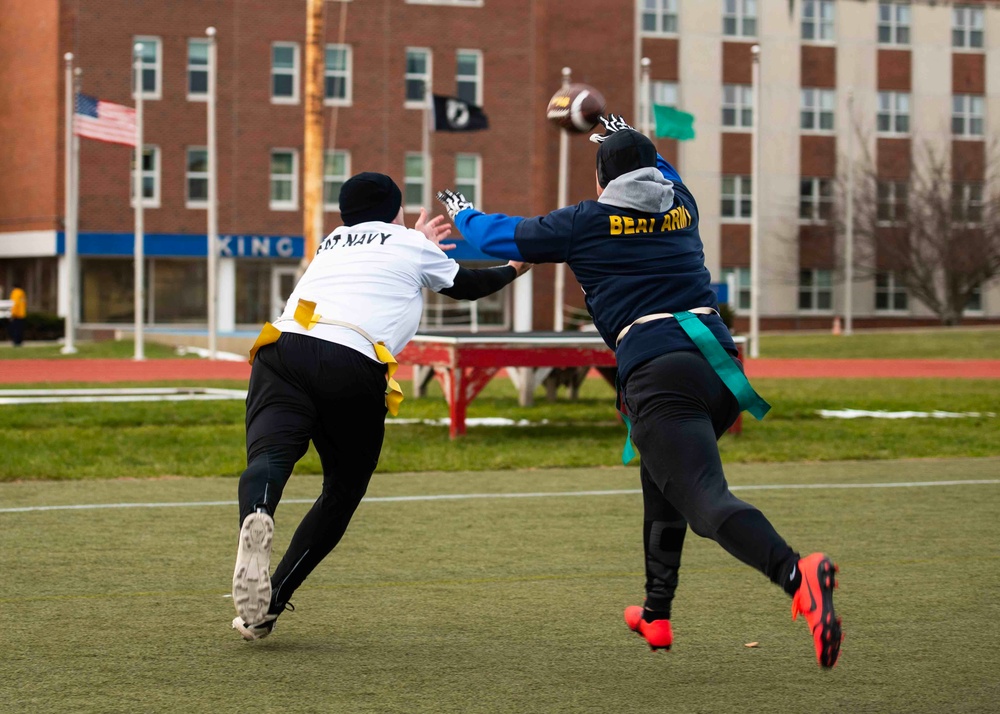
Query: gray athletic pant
{"x": 301, "y": 389}
{"x": 679, "y": 408}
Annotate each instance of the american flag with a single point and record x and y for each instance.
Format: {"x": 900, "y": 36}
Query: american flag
{"x": 104, "y": 121}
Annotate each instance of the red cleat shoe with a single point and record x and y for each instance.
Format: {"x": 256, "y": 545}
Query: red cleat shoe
{"x": 657, "y": 633}
{"x": 814, "y": 599}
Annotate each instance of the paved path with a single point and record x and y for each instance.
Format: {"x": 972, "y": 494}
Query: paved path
{"x": 155, "y": 370}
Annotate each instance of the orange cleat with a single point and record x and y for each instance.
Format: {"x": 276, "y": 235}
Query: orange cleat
{"x": 657, "y": 633}
{"x": 814, "y": 599}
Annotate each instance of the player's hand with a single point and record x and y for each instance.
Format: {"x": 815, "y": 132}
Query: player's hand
{"x": 612, "y": 123}
{"x": 454, "y": 202}
{"x": 435, "y": 230}
{"x": 520, "y": 266}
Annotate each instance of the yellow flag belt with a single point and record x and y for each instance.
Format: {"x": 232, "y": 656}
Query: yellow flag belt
{"x": 305, "y": 315}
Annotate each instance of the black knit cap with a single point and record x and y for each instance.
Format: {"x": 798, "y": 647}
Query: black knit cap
{"x": 369, "y": 196}
{"x": 625, "y": 150}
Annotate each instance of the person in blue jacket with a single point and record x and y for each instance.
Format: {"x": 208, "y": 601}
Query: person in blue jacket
{"x": 637, "y": 254}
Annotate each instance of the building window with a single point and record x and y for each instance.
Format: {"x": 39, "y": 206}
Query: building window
{"x": 414, "y": 182}
{"x": 815, "y": 199}
{"x": 818, "y": 109}
{"x": 151, "y": 67}
{"x": 337, "y": 75}
{"x": 891, "y": 202}
{"x": 737, "y": 105}
{"x": 663, "y": 94}
{"x": 150, "y": 177}
{"x": 815, "y": 290}
{"x": 196, "y": 177}
{"x": 469, "y": 76}
{"x": 967, "y": 26}
{"x": 336, "y": 170}
{"x": 890, "y": 296}
{"x": 975, "y": 303}
{"x": 967, "y": 114}
{"x": 894, "y": 22}
{"x": 817, "y": 20}
{"x": 967, "y": 203}
{"x": 285, "y": 73}
{"x": 739, "y": 18}
{"x": 197, "y": 70}
{"x": 418, "y": 74}
{"x": 284, "y": 180}
{"x": 468, "y": 177}
{"x": 742, "y": 287}
{"x": 659, "y": 17}
{"x": 736, "y": 191}
{"x": 893, "y": 113}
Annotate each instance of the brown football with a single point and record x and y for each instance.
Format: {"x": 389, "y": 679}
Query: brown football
{"x": 576, "y": 108}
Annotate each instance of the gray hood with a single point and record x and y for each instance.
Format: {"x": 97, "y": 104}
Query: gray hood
{"x": 642, "y": 190}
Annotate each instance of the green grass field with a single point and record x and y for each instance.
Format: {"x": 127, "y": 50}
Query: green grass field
{"x": 105, "y": 349}
{"x": 939, "y": 343}
{"x": 501, "y": 605}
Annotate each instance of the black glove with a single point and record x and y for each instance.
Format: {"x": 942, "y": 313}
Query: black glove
{"x": 454, "y": 202}
{"x": 613, "y": 123}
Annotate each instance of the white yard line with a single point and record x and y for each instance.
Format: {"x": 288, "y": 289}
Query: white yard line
{"x": 537, "y": 494}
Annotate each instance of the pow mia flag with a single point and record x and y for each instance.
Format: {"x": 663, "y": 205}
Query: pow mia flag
{"x": 454, "y": 114}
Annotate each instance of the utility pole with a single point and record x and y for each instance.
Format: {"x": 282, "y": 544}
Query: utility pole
{"x": 213, "y": 201}
{"x": 755, "y": 210}
{"x": 560, "y": 273}
{"x": 312, "y": 195}
{"x": 849, "y": 238}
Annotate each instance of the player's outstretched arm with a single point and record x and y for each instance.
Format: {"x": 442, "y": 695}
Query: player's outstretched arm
{"x": 490, "y": 233}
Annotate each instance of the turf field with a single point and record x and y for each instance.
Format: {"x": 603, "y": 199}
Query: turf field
{"x": 502, "y": 604}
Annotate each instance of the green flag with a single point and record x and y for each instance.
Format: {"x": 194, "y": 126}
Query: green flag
{"x": 673, "y": 123}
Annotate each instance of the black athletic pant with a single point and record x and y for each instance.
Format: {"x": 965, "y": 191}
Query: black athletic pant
{"x": 304, "y": 388}
{"x": 15, "y": 330}
{"x": 679, "y": 408}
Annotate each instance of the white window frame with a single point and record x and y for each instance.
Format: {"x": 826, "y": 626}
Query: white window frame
{"x": 970, "y": 110}
{"x": 664, "y": 13}
{"x": 425, "y": 77}
{"x": 815, "y": 103}
{"x": 966, "y": 20}
{"x": 331, "y": 178}
{"x": 408, "y": 181}
{"x": 816, "y": 199}
{"x": 737, "y": 196}
{"x": 347, "y": 74}
{"x": 154, "y": 200}
{"x": 891, "y": 290}
{"x": 293, "y": 203}
{"x": 197, "y": 96}
{"x": 663, "y": 93}
{"x": 189, "y": 175}
{"x": 477, "y": 78}
{"x": 894, "y": 112}
{"x": 476, "y": 182}
{"x": 887, "y": 193}
{"x": 739, "y": 12}
{"x": 899, "y": 20}
{"x": 814, "y": 289}
{"x": 968, "y": 195}
{"x": 295, "y": 72}
{"x": 742, "y": 288}
{"x": 824, "y": 30}
{"x": 737, "y": 98}
{"x": 156, "y": 66}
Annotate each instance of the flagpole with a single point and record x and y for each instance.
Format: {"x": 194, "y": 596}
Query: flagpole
{"x": 69, "y": 345}
{"x": 559, "y": 289}
{"x": 213, "y": 204}
{"x": 849, "y": 248}
{"x": 755, "y": 210}
{"x": 425, "y": 139}
{"x": 645, "y": 101}
{"x": 138, "y": 249}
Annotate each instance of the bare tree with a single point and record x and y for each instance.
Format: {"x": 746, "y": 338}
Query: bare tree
{"x": 936, "y": 227}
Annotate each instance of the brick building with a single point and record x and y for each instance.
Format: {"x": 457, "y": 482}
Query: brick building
{"x": 914, "y": 69}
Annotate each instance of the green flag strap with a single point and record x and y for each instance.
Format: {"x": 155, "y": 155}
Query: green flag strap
{"x": 723, "y": 364}
{"x": 628, "y": 452}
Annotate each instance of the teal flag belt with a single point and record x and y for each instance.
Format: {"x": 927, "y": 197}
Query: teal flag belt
{"x": 723, "y": 364}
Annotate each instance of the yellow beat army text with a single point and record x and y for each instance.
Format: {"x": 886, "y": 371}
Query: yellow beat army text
{"x": 673, "y": 220}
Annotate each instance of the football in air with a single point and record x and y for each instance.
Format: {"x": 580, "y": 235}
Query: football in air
{"x": 576, "y": 108}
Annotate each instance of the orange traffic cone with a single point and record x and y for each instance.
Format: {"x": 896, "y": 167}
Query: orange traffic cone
{"x": 836, "y": 325}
